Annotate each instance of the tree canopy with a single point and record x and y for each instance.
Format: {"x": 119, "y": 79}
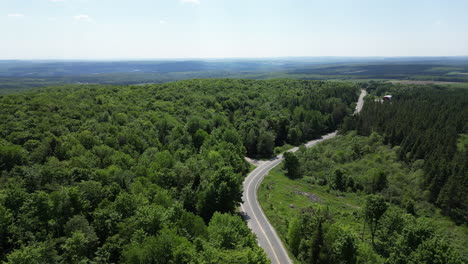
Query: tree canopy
{"x": 427, "y": 123}
{"x": 146, "y": 174}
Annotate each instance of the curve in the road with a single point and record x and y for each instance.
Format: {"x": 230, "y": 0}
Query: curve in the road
{"x": 267, "y": 237}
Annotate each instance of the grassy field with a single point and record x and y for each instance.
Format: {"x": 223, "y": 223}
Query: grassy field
{"x": 282, "y": 198}
{"x": 451, "y": 84}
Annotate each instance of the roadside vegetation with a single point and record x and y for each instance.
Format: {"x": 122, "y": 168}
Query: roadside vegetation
{"x": 391, "y": 189}
{"x": 364, "y": 204}
{"x": 427, "y": 123}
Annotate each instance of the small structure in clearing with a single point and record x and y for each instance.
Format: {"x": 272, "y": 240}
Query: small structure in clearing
{"x": 387, "y": 97}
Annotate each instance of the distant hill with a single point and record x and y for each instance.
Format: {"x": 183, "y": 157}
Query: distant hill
{"x": 17, "y": 75}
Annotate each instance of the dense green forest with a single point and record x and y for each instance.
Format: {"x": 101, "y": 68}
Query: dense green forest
{"x": 393, "y": 189}
{"x": 350, "y": 200}
{"x": 426, "y": 123}
{"x": 146, "y": 174}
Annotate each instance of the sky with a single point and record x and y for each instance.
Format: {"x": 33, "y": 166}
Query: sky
{"x": 158, "y": 29}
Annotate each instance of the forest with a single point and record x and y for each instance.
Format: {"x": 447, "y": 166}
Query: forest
{"x": 391, "y": 188}
{"x": 149, "y": 173}
{"x": 426, "y": 123}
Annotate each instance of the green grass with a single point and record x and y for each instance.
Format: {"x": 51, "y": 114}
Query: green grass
{"x": 281, "y": 199}
{"x": 278, "y": 193}
{"x": 444, "y": 69}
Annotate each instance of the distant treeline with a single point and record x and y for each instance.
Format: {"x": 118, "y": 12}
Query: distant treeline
{"x": 19, "y": 75}
{"x": 403, "y": 71}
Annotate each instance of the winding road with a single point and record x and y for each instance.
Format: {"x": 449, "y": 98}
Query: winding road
{"x": 256, "y": 219}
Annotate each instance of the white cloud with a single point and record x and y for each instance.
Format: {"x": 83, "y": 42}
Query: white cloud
{"x": 17, "y": 15}
{"x": 83, "y": 18}
{"x": 52, "y": 19}
{"x": 191, "y": 1}
{"x": 162, "y": 22}
{"x": 438, "y": 23}
{"x": 57, "y": 1}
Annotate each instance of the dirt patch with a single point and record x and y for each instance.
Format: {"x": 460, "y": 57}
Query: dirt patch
{"x": 311, "y": 196}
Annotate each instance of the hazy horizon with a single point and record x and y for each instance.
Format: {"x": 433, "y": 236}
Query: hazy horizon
{"x": 374, "y": 58}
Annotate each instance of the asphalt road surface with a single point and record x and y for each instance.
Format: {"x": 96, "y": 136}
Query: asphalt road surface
{"x": 257, "y": 221}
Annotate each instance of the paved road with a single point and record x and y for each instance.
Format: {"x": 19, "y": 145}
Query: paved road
{"x": 360, "y": 102}
{"x": 257, "y": 221}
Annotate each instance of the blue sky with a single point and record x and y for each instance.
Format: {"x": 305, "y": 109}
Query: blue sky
{"x": 150, "y": 29}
